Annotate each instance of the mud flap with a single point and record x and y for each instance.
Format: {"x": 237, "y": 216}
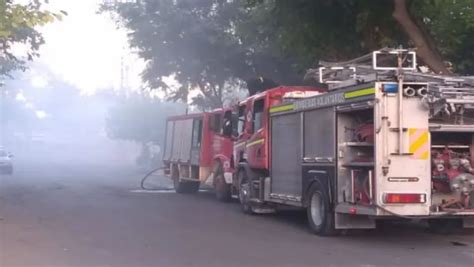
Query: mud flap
{"x": 348, "y": 221}
{"x": 468, "y": 222}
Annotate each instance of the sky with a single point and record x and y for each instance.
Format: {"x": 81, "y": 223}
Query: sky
{"x": 86, "y": 49}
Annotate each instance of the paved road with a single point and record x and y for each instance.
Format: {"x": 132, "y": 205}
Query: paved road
{"x": 58, "y": 215}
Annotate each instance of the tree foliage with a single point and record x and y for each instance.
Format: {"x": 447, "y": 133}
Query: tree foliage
{"x": 186, "y": 39}
{"x": 18, "y": 25}
{"x": 336, "y": 30}
{"x": 451, "y": 27}
{"x": 196, "y": 42}
{"x": 210, "y": 45}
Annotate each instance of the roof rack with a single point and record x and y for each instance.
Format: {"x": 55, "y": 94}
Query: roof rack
{"x": 381, "y": 65}
{"x": 444, "y": 92}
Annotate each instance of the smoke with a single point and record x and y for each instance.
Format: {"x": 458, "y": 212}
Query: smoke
{"x": 55, "y": 123}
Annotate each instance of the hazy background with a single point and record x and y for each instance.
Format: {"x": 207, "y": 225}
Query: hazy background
{"x": 96, "y": 88}
{"x": 81, "y": 101}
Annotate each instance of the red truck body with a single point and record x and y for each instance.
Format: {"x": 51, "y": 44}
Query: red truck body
{"x": 251, "y": 145}
{"x": 195, "y": 145}
{"x": 201, "y": 148}
{"x": 367, "y": 150}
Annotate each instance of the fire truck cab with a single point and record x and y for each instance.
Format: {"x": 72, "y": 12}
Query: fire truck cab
{"x": 251, "y": 120}
{"x": 197, "y": 151}
{"x": 251, "y": 126}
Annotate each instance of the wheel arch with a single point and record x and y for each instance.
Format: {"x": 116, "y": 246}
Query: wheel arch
{"x": 324, "y": 183}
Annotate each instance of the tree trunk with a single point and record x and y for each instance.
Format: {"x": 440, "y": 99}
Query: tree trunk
{"x": 430, "y": 57}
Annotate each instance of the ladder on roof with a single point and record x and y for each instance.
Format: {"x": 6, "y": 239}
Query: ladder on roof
{"x": 380, "y": 65}
{"x": 395, "y": 65}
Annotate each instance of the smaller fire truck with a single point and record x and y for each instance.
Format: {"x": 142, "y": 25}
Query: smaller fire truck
{"x": 199, "y": 147}
{"x": 197, "y": 150}
{"x": 385, "y": 141}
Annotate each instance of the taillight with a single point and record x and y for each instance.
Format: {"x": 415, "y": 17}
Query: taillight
{"x": 394, "y": 198}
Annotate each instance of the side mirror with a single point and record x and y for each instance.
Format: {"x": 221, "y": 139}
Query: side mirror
{"x": 227, "y": 128}
{"x": 10, "y": 155}
{"x": 235, "y": 124}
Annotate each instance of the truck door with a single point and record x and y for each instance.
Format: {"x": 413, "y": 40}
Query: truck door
{"x": 220, "y": 131}
{"x": 256, "y": 143}
{"x": 402, "y": 152}
{"x": 239, "y": 144}
{"x": 221, "y": 138}
{"x": 196, "y": 141}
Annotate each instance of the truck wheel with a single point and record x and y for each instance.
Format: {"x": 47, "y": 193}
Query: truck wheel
{"x": 185, "y": 187}
{"x": 191, "y": 187}
{"x": 222, "y": 189}
{"x": 178, "y": 186}
{"x": 244, "y": 192}
{"x": 320, "y": 216}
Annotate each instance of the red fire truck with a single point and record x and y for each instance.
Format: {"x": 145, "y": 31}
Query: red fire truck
{"x": 251, "y": 127}
{"x": 198, "y": 149}
{"x": 383, "y": 142}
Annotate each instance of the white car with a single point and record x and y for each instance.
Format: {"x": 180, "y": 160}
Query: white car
{"x": 6, "y": 164}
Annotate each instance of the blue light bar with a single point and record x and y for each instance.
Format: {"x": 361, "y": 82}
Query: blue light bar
{"x": 390, "y": 88}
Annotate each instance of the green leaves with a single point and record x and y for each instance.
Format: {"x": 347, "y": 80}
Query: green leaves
{"x": 451, "y": 25}
{"x": 335, "y": 30}
{"x": 207, "y": 44}
{"x": 18, "y": 24}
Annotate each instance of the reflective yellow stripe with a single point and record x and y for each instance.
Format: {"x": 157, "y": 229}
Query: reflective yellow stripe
{"x": 239, "y": 144}
{"x": 256, "y": 142}
{"x": 425, "y": 155}
{"x": 359, "y": 93}
{"x": 419, "y": 143}
{"x": 282, "y": 108}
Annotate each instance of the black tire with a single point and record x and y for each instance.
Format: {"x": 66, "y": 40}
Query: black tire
{"x": 191, "y": 187}
{"x": 319, "y": 212}
{"x": 183, "y": 187}
{"x": 222, "y": 189}
{"x": 244, "y": 192}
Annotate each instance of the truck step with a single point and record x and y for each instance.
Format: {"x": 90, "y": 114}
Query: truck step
{"x": 263, "y": 210}
{"x": 261, "y": 207}
{"x": 256, "y": 201}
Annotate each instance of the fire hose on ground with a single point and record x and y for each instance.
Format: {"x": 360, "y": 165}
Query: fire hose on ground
{"x": 142, "y": 182}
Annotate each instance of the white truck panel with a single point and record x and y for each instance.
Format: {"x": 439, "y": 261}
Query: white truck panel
{"x": 182, "y": 138}
{"x": 404, "y": 164}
